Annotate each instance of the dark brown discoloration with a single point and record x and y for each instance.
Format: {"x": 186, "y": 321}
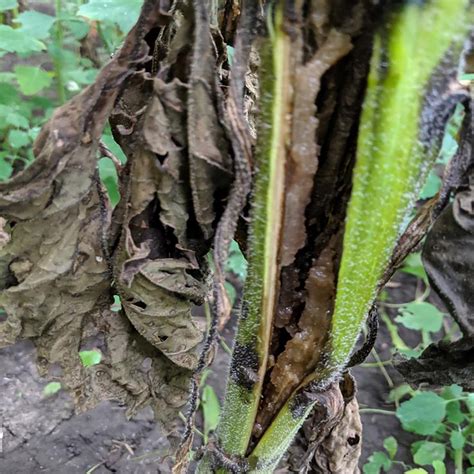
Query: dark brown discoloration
{"x": 245, "y": 364}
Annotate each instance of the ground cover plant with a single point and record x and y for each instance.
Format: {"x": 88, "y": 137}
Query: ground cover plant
{"x": 284, "y": 143}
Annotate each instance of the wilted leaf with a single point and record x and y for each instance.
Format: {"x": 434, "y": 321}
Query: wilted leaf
{"x": 55, "y": 264}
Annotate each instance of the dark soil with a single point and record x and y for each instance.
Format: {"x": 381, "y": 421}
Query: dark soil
{"x": 42, "y": 434}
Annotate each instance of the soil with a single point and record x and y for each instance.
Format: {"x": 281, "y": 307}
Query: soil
{"x": 43, "y": 434}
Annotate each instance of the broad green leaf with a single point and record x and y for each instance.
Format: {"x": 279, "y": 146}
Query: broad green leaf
{"x": 18, "y": 138}
{"x": 16, "y": 41}
{"x": 51, "y": 388}
{"x": 35, "y": 24}
{"x": 391, "y": 446}
{"x": 454, "y": 413}
{"x": 10, "y": 117}
{"x": 451, "y": 392}
{"x": 79, "y": 27}
{"x": 210, "y": 409}
{"x": 421, "y": 316}
{"x": 8, "y": 94}
{"x": 457, "y": 440}
{"x": 90, "y": 358}
{"x": 6, "y": 169}
{"x": 81, "y": 75}
{"x": 32, "y": 79}
{"x": 108, "y": 176}
{"x": 376, "y": 462}
{"x": 429, "y": 452}
{"x": 417, "y": 470}
{"x": 423, "y": 413}
{"x": 439, "y": 467}
{"x": 8, "y": 5}
{"x": 122, "y": 12}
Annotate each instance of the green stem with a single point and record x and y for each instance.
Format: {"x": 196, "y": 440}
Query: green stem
{"x": 57, "y": 58}
{"x": 253, "y": 338}
{"x": 458, "y": 461}
{"x": 377, "y": 411}
{"x": 380, "y": 365}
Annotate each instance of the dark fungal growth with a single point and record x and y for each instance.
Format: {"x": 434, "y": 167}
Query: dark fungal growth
{"x": 244, "y": 369}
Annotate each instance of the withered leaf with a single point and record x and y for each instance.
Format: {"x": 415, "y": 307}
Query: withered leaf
{"x": 448, "y": 260}
{"x": 209, "y": 159}
{"x": 55, "y": 266}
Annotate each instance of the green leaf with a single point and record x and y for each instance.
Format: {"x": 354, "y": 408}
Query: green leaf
{"x": 431, "y": 187}
{"x": 18, "y": 138}
{"x": 439, "y": 467}
{"x": 417, "y": 470}
{"x": 108, "y": 175}
{"x": 470, "y": 402}
{"x": 429, "y": 452}
{"x": 451, "y": 392}
{"x": 6, "y": 169}
{"x": 8, "y": 94}
{"x": 414, "y": 266}
{"x": 391, "y": 446}
{"x": 32, "y": 79}
{"x": 35, "y": 24}
{"x": 397, "y": 341}
{"x": 454, "y": 413}
{"x": 457, "y": 440}
{"x": 399, "y": 392}
{"x": 122, "y": 12}
{"x": 470, "y": 470}
{"x": 113, "y": 146}
{"x": 16, "y": 41}
{"x": 211, "y": 410}
{"x": 8, "y": 5}
{"x": 423, "y": 413}
{"x": 421, "y": 316}
{"x": 51, "y": 388}
{"x": 90, "y": 358}
{"x": 236, "y": 262}
{"x": 78, "y": 27}
{"x": 231, "y": 292}
{"x": 376, "y": 462}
